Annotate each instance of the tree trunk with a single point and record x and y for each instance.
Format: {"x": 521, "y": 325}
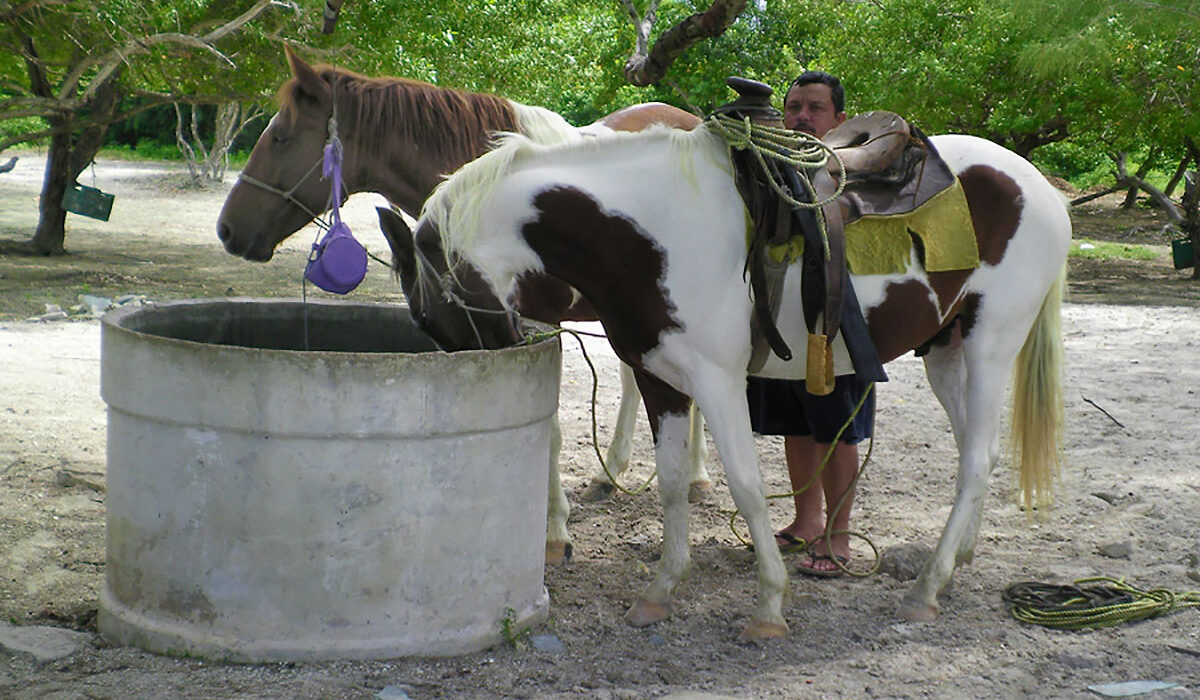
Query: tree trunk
{"x": 1131, "y": 195}
{"x": 52, "y": 218}
{"x": 72, "y": 149}
{"x": 1191, "y": 205}
{"x": 1178, "y": 176}
{"x": 1124, "y": 179}
{"x": 210, "y": 163}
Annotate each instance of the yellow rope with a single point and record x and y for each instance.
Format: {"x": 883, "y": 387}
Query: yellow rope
{"x": 1075, "y": 607}
{"x": 802, "y": 151}
{"x": 829, "y": 533}
{"x": 595, "y": 430}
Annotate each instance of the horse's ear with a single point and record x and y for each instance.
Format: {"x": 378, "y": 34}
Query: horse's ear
{"x": 307, "y": 78}
{"x": 400, "y": 239}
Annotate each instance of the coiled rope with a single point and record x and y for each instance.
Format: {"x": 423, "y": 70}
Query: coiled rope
{"x": 1075, "y": 607}
{"x": 804, "y": 152}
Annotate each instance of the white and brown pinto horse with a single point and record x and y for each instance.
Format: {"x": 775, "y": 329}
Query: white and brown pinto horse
{"x": 650, "y": 229}
{"x": 400, "y": 138}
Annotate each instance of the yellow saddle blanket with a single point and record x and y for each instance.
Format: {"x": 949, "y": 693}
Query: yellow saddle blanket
{"x": 883, "y": 244}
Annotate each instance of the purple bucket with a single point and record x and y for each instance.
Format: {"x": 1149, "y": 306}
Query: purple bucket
{"x": 339, "y": 263}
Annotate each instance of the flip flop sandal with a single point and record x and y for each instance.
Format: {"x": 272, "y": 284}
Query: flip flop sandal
{"x": 790, "y": 544}
{"x": 808, "y": 567}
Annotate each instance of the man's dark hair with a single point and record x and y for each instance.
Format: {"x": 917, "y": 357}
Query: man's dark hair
{"x": 820, "y": 76}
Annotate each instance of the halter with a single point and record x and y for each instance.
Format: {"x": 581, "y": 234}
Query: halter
{"x": 289, "y": 194}
{"x": 450, "y": 296}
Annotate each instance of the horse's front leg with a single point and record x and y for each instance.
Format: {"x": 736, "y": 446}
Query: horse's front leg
{"x": 722, "y": 399}
{"x": 558, "y": 541}
{"x": 667, "y": 410}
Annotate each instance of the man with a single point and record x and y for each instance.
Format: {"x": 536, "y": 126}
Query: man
{"x": 815, "y": 103}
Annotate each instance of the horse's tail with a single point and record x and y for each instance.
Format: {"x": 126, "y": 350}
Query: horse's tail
{"x": 1037, "y": 413}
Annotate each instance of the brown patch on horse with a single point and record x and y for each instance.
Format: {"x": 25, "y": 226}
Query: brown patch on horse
{"x": 660, "y": 399}
{"x": 449, "y": 124}
{"x": 543, "y": 298}
{"x": 908, "y": 318}
{"x": 995, "y": 202}
{"x": 640, "y": 116}
{"x": 612, "y": 263}
{"x": 905, "y": 319}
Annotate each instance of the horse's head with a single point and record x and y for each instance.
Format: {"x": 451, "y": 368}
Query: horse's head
{"x": 281, "y": 189}
{"x": 450, "y": 300}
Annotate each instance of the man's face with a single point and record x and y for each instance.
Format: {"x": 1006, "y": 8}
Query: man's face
{"x": 809, "y": 108}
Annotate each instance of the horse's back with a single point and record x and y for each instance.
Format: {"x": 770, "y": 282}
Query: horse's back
{"x": 1015, "y": 208}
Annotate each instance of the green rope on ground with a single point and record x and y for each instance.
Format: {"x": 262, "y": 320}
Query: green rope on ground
{"x": 1075, "y": 607}
{"x": 595, "y": 431}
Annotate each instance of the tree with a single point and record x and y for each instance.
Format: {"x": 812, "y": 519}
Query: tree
{"x": 209, "y": 162}
{"x": 71, "y": 63}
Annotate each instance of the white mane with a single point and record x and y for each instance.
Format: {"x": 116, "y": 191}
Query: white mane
{"x": 456, "y": 204}
{"x": 543, "y": 125}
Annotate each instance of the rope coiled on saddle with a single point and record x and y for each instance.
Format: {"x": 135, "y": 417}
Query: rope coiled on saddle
{"x": 802, "y": 151}
{"x": 1076, "y": 607}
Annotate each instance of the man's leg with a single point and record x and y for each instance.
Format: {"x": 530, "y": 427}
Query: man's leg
{"x": 802, "y": 468}
{"x": 837, "y": 481}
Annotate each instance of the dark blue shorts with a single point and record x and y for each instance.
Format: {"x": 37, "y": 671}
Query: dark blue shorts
{"x": 783, "y": 407}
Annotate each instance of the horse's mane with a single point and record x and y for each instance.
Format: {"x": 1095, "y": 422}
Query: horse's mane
{"x": 454, "y": 124}
{"x": 457, "y": 203}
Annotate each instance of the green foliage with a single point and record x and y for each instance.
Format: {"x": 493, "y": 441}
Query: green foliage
{"x": 1083, "y": 166}
{"x": 517, "y": 639}
{"x": 22, "y": 125}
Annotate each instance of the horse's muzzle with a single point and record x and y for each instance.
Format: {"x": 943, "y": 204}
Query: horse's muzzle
{"x": 234, "y": 247}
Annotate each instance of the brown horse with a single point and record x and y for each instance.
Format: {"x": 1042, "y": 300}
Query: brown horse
{"x": 400, "y": 138}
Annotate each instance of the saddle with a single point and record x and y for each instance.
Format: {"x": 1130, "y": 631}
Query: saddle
{"x": 886, "y": 168}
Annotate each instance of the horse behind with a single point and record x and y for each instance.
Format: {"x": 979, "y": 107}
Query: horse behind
{"x": 651, "y": 230}
{"x": 399, "y": 138}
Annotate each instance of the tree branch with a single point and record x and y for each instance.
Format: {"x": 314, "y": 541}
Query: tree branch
{"x": 1124, "y": 179}
{"x": 111, "y": 60}
{"x": 15, "y": 12}
{"x": 330, "y": 15}
{"x": 647, "y": 67}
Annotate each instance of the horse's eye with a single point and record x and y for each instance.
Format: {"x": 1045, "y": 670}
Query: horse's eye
{"x": 279, "y": 139}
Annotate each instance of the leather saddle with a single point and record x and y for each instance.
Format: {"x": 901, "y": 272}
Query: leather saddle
{"x": 888, "y": 167}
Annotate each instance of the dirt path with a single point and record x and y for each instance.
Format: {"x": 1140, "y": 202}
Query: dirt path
{"x": 1132, "y": 479}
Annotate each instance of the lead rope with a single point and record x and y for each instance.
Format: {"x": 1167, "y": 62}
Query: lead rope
{"x": 827, "y": 536}
{"x": 331, "y": 167}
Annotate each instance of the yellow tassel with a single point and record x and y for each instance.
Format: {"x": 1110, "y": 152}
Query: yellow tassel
{"x": 819, "y": 372}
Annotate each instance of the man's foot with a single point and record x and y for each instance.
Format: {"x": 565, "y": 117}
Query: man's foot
{"x": 787, "y": 543}
{"x": 823, "y": 565}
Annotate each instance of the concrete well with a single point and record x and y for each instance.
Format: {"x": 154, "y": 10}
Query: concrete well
{"x": 370, "y": 497}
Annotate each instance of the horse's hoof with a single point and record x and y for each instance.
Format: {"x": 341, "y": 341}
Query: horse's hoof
{"x": 558, "y": 552}
{"x": 698, "y": 490}
{"x": 644, "y": 613}
{"x": 759, "y": 630}
{"x": 597, "y": 491}
{"x": 917, "y": 611}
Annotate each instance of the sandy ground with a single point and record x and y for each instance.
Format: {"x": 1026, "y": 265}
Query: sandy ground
{"x": 1132, "y": 479}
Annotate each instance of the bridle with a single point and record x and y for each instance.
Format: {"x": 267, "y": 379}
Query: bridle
{"x": 289, "y": 195}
